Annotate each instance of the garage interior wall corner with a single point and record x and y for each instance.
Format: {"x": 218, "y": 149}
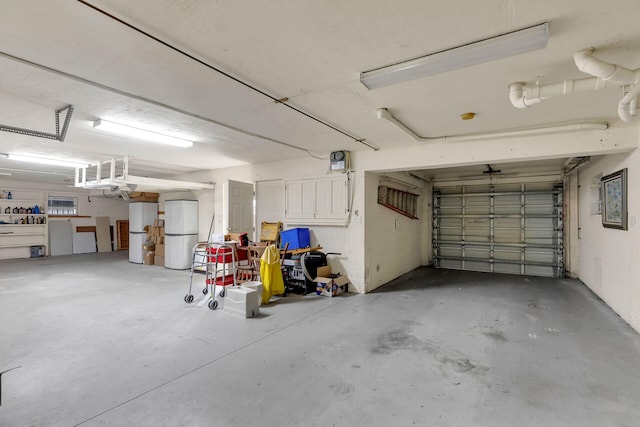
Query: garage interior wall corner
{"x": 609, "y": 257}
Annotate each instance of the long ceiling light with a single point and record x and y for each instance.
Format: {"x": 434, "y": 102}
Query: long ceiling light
{"x": 46, "y": 161}
{"x": 146, "y": 135}
{"x": 502, "y": 46}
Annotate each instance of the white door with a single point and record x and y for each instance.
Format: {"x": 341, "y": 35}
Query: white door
{"x": 239, "y": 204}
{"x": 269, "y": 203}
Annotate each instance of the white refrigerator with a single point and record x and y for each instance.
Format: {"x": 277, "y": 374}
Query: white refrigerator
{"x": 180, "y": 233}
{"x": 140, "y": 215}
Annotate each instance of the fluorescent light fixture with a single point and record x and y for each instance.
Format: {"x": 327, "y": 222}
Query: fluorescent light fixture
{"x": 146, "y": 135}
{"x": 5, "y": 173}
{"x": 45, "y": 161}
{"x": 3, "y": 155}
{"x": 486, "y": 50}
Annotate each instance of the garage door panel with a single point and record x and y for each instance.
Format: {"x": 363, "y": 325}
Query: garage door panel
{"x": 477, "y": 239}
{"x": 451, "y": 252}
{"x": 518, "y": 224}
{"x": 477, "y": 266}
{"x": 451, "y": 264}
{"x": 507, "y": 254}
{"x": 535, "y": 270}
{"x": 540, "y": 256}
{"x": 506, "y": 268}
{"x": 477, "y": 252}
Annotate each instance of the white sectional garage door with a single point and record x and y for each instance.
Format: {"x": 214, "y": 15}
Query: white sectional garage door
{"x": 507, "y": 228}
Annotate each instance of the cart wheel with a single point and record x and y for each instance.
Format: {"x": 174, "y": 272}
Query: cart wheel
{"x": 188, "y": 298}
{"x": 213, "y": 304}
{"x": 205, "y": 291}
{"x": 221, "y": 293}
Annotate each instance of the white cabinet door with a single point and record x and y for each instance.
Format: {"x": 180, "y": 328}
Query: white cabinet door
{"x": 181, "y": 217}
{"x": 331, "y": 198}
{"x": 179, "y": 251}
{"x": 317, "y": 201}
{"x": 141, "y": 214}
{"x": 300, "y": 199}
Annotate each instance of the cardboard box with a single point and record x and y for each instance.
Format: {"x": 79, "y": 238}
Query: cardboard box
{"x": 158, "y": 260}
{"x": 330, "y": 286}
{"x": 139, "y": 196}
{"x": 240, "y": 238}
{"x": 324, "y": 271}
{"x": 160, "y": 251}
{"x": 148, "y": 258}
{"x": 217, "y": 238}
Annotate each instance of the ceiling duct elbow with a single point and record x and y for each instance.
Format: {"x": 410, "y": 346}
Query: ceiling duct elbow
{"x": 587, "y": 63}
{"x": 628, "y": 107}
{"x": 604, "y": 75}
{"x": 518, "y": 96}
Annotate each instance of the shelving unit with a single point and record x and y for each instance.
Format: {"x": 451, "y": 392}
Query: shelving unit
{"x": 19, "y": 231}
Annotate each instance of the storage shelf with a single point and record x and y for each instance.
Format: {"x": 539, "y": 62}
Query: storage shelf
{"x": 22, "y": 214}
{"x": 36, "y": 201}
{"x": 15, "y": 238}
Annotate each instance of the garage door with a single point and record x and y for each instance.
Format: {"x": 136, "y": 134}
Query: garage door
{"x": 507, "y": 228}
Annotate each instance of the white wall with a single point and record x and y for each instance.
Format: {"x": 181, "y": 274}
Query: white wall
{"x": 88, "y": 206}
{"x": 364, "y": 248}
{"x": 609, "y": 258}
{"x": 393, "y": 242}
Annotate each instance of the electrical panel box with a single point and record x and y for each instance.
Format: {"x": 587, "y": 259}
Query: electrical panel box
{"x": 340, "y": 161}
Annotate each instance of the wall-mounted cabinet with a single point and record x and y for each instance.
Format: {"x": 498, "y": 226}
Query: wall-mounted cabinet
{"x": 317, "y": 201}
{"x": 23, "y": 223}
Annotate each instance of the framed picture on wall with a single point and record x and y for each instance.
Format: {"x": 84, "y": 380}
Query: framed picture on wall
{"x": 614, "y": 200}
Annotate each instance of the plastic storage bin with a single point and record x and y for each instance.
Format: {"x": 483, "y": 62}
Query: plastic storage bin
{"x": 37, "y": 251}
{"x": 296, "y": 237}
{"x": 241, "y": 301}
{"x": 257, "y": 286}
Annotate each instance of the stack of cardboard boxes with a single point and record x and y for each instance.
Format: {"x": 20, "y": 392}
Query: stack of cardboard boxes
{"x": 155, "y": 235}
{"x": 139, "y": 196}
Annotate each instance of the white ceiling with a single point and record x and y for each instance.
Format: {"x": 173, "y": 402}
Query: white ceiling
{"x": 310, "y": 52}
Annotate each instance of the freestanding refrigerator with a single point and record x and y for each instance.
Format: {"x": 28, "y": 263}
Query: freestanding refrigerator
{"x": 180, "y": 233}
{"x": 140, "y": 215}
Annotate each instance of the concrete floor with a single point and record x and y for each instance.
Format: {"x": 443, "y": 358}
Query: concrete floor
{"x": 103, "y": 342}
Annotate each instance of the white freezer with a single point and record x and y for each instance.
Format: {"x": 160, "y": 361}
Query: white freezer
{"x": 141, "y": 214}
{"x": 181, "y": 217}
{"x": 136, "y": 253}
{"x": 178, "y": 250}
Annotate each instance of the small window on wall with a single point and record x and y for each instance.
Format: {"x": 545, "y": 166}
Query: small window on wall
{"x": 62, "y": 205}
